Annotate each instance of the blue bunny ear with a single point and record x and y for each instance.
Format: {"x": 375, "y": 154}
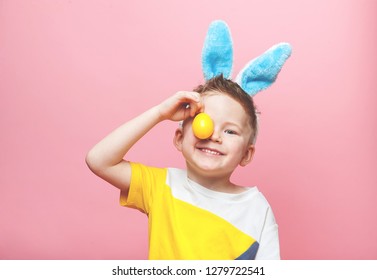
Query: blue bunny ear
{"x": 261, "y": 72}
{"x": 217, "y": 53}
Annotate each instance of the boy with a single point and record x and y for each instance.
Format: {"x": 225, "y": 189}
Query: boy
{"x": 196, "y": 213}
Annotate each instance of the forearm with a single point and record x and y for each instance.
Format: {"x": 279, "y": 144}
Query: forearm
{"x": 106, "y": 159}
{"x": 112, "y": 149}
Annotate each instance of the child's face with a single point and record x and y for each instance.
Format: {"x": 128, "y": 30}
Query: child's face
{"x": 229, "y": 145}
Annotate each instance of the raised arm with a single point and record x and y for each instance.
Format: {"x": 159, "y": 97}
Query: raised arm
{"x": 106, "y": 159}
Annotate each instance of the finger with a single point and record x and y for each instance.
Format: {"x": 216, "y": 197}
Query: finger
{"x": 189, "y": 96}
{"x": 200, "y": 107}
{"x": 193, "y": 109}
{"x": 190, "y": 102}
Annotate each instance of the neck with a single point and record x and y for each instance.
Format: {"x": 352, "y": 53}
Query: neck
{"x": 215, "y": 183}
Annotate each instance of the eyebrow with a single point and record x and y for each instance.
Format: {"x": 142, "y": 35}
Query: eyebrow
{"x": 230, "y": 123}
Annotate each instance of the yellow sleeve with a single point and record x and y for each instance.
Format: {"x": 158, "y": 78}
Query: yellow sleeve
{"x": 144, "y": 183}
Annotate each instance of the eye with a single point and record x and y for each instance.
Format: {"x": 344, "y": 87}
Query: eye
{"x": 229, "y": 131}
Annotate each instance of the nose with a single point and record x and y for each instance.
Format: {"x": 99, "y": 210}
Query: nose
{"x": 216, "y": 136}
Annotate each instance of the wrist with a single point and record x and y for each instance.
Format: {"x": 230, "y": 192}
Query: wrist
{"x": 157, "y": 114}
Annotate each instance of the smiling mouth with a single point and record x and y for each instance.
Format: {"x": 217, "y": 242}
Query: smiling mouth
{"x": 210, "y": 152}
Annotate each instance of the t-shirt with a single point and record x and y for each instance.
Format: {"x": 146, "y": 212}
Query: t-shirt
{"x": 191, "y": 222}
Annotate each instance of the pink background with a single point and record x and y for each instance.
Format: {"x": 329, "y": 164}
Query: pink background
{"x": 71, "y": 71}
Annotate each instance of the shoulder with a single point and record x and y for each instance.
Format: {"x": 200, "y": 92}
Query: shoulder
{"x": 267, "y": 209}
{"x": 147, "y": 176}
{"x": 253, "y": 194}
{"x": 261, "y": 198}
{"x": 161, "y": 175}
{"x": 257, "y": 206}
{"x": 176, "y": 175}
{"x": 144, "y": 170}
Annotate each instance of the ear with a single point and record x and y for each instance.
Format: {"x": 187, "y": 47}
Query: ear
{"x": 178, "y": 139}
{"x": 217, "y": 53}
{"x": 248, "y": 156}
{"x": 262, "y": 72}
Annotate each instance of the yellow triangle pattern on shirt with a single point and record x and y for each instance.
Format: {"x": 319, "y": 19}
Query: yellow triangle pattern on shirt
{"x": 196, "y": 233}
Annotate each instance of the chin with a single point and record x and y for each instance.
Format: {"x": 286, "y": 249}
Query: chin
{"x": 210, "y": 170}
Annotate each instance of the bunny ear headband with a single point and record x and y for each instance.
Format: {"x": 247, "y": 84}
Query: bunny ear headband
{"x": 257, "y": 75}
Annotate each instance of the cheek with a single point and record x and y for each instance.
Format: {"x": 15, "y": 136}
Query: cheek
{"x": 188, "y": 138}
{"x": 187, "y": 131}
{"x": 239, "y": 147}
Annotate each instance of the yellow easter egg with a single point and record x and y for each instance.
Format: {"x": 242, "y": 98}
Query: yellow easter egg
{"x": 202, "y": 126}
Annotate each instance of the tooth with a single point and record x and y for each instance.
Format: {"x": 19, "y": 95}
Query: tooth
{"x": 211, "y": 152}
